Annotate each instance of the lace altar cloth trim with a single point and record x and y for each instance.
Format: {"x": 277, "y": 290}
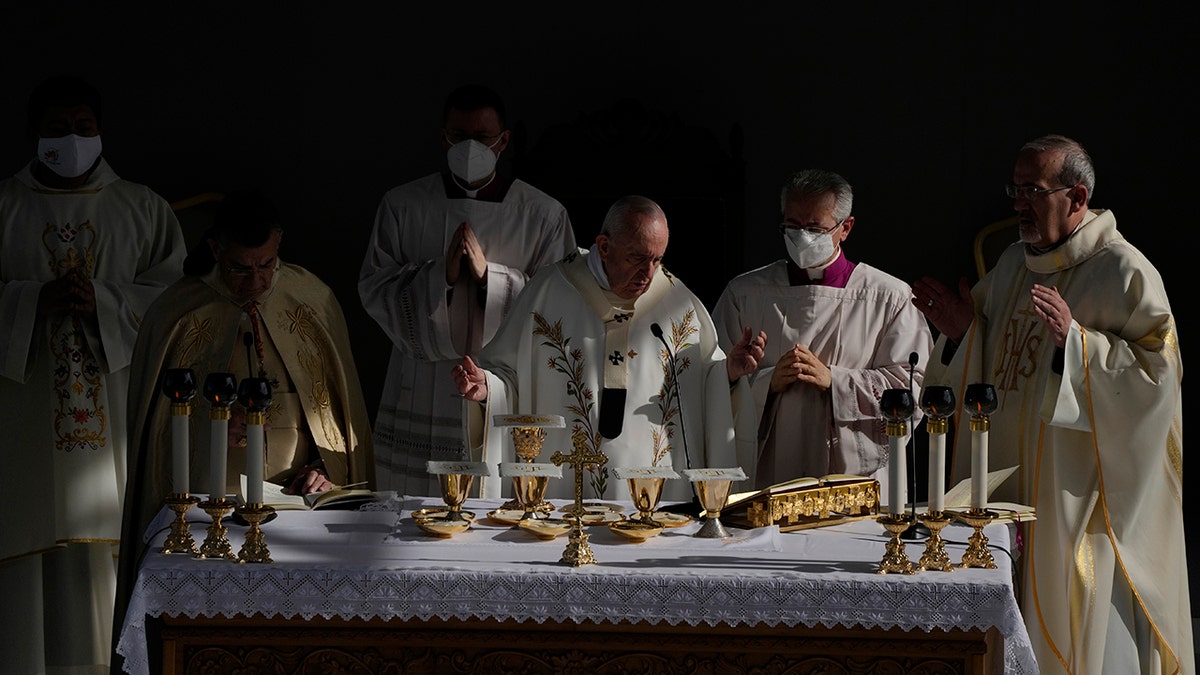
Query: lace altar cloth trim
{"x": 732, "y": 587}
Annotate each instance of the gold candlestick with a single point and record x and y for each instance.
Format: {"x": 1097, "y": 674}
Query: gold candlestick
{"x": 216, "y": 541}
{"x": 254, "y": 548}
{"x": 935, "y": 558}
{"x": 895, "y": 558}
{"x": 180, "y": 539}
{"x": 978, "y": 554}
{"x": 578, "y": 552}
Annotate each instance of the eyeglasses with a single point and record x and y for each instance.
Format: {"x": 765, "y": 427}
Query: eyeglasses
{"x": 245, "y": 272}
{"x": 458, "y": 137}
{"x": 1031, "y": 191}
{"x": 785, "y": 226}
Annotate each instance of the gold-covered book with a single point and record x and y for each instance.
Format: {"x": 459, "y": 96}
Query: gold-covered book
{"x": 804, "y": 503}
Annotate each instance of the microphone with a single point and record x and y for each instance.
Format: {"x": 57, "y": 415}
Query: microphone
{"x": 248, "y": 340}
{"x": 693, "y": 507}
{"x": 658, "y": 333}
{"x": 913, "y": 531}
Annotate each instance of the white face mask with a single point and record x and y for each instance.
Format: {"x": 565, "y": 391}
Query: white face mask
{"x": 807, "y": 249}
{"x": 471, "y": 160}
{"x": 69, "y": 156}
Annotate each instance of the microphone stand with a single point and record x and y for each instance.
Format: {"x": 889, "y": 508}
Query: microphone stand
{"x": 694, "y": 507}
{"x": 917, "y": 529}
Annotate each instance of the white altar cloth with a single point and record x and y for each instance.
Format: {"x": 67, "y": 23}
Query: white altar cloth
{"x": 375, "y": 563}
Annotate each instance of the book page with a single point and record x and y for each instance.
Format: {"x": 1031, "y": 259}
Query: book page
{"x": 739, "y": 497}
{"x": 959, "y": 496}
{"x": 276, "y": 498}
{"x": 329, "y": 498}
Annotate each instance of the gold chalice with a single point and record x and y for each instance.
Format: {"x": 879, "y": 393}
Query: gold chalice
{"x": 530, "y": 480}
{"x": 454, "y": 480}
{"x": 645, "y": 487}
{"x": 528, "y": 435}
{"x": 712, "y": 488}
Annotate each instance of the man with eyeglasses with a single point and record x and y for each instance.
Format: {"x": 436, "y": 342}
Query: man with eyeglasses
{"x": 83, "y": 253}
{"x": 1073, "y": 328}
{"x": 446, "y": 259}
{"x": 838, "y": 334}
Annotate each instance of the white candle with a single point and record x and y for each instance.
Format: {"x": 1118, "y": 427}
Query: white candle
{"x": 218, "y": 453}
{"x": 979, "y": 469}
{"x": 179, "y": 453}
{"x": 254, "y": 463}
{"x": 897, "y": 476}
{"x": 937, "y": 473}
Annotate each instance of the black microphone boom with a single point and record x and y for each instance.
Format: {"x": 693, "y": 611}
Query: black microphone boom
{"x": 913, "y": 531}
{"x": 658, "y": 333}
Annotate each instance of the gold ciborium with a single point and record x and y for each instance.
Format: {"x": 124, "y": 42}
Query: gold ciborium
{"x": 528, "y": 435}
{"x": 455, "y": 480}
{"x": 712, "y": 488}
{"x": 529, "y": 481}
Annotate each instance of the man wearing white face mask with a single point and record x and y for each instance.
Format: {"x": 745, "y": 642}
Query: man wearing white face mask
{"x": 83, "y": 253}
{"x": 838, "y": 334}
{"x": 447, "y": 257}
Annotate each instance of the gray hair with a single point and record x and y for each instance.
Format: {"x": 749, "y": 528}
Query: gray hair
{"x": 816, "y": 182}
{"x": 618, "y": 220}
{"x": 1077, "y": 166}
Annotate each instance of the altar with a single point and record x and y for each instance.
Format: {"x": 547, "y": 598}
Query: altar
{"x": 367, "y": 591}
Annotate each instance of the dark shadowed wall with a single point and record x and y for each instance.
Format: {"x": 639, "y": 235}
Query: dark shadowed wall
{"x": 922, "y": 107}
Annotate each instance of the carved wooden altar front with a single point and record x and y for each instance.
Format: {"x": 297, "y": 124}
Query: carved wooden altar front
{"x": 202, "y": 646}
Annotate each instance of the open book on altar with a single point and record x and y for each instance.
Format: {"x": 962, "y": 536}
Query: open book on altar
{"x": 805, "y": 502}
{"x": 958, "y": 499}
{"x": 335, "y": 498}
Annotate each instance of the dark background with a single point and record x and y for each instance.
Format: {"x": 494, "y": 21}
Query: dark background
{"x": 921, "y": 106}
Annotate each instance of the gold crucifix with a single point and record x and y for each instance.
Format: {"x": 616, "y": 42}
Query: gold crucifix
{"x": 578, "y": 552}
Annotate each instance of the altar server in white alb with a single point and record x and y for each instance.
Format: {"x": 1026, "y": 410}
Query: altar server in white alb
{"x": 83, "y": 253}
{"x": 623, "y": 351}
{"x": 446, "y": 259}
{"x": 1074, "y": 330}
{"x": 840, "y": 333}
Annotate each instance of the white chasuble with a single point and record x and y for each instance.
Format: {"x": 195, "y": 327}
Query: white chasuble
{"x": 1099, "y": 450}
{"x": 558, "y": 349}
{"x": 402, "y": 284}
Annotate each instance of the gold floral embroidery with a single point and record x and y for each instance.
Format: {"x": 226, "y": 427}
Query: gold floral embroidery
{"x": 668, "y": 396}
{"x": 581, "y": 400}
{"x": 80, "y": 420}
{"x": 312, "y": 358}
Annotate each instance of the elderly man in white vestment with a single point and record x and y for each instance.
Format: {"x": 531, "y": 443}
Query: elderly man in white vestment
{"x": 840, "y": 333}
{"x": 83, "y": 253}
{"x": 583, "y": 342}
{"x": 1074, "y": 330}
{"x": 244, "y": 311}
{"x": 447, "y": 257}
